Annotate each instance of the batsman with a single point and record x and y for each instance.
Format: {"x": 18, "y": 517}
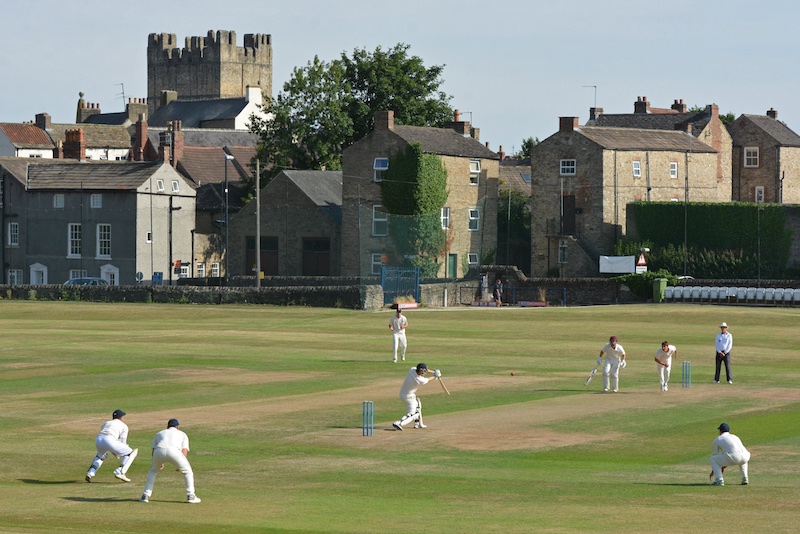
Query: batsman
{"x": 408, "y": 394}
{"x": 615, "y": 360}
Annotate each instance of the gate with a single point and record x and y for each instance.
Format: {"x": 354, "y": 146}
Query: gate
{"x": 398, "y": 282}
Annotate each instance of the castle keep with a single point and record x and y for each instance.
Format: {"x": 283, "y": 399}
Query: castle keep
{"x": 206, "y": 68}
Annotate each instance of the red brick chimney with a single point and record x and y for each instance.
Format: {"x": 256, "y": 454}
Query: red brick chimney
{"x": 641, "y": 105}
{"x": 713, "y": 110}
{"x": 461, "y": 127}
{"x": 384, "y": 120}
{"x": 594, "y": 113}
{"x": 773, "y": 113}
{"x": 679, "y": 106}
{"x": 501, "y": 153}
{"x": 74, "y": 145}
{"x": 567, "y": 124}
{"x": 140, "y": 140}
{"x": 43, "y": 121}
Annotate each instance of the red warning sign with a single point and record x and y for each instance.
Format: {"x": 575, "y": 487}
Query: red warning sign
{"x": 641, "y": 260}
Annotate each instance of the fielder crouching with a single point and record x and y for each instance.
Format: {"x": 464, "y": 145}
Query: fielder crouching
{"x": 408, "y": 394}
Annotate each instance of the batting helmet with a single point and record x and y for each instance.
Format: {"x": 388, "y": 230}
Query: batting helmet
{"x": 421, "y": 368}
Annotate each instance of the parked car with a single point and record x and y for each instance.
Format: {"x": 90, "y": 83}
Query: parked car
{"x": 86, "y": 281}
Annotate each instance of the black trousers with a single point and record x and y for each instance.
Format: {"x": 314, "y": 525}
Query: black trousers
{"x": 726, "y": 358}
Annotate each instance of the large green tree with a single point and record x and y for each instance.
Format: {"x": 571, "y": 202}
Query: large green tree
{"x": 393, "y": 80}
{"x": 326, "y": 106}
{"x": 514, "y": 230}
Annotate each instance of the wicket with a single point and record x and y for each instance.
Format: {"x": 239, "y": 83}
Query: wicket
{"x": 686, "y": 375}
{"x": 367, "y": 418}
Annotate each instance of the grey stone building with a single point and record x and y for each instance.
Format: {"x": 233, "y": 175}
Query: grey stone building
{"x": 582, "y": 179}
{"x": 122, "y": 221}
{"x": 766, "y": 160}
{"x": 470, "y": 217}
{"x": 301, "y": 219}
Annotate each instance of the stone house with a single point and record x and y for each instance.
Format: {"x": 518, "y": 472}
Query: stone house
{"x": 766, "y": 160}
{"x": 582, "y": 179}
{"x": 206, "y": 157}
{"x": 704, "y": 125}
{"x": 301, "y": 219}
{"x": 122, "y": 221}
{"x": 469, "y": 218}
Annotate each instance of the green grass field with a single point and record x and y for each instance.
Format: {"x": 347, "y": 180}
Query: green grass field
{"x": 271, "y": 400}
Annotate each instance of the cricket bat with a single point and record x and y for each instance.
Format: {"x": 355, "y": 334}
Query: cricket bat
{"x": 591, "y": 375}
{"x": 443, "y": 386}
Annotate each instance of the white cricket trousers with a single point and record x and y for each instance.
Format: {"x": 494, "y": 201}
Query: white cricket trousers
{"x": 398, "y": 340}
{"x": 611, "y": 370}
{"x": 663, "y": 374}
{"x": 723, "y": 459}
{"x": 105, "y": 444}
{"x": 169, "y": 456}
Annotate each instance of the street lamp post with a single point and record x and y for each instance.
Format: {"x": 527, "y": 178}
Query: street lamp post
{"x": 228, "y": 157}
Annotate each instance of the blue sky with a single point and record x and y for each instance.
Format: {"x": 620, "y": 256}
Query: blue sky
{"x": 514, "y": 67}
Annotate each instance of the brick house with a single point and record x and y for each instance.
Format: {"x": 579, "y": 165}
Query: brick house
{"x": 470, "y": 217}
{"x": 301, "y": 218}
{"x": 582, "y": 179}
{"x": 102, "y": 142}
{"x": 704, "y": 125}
{"x": 69, "y": 218}
{"x": 766, "y": 160}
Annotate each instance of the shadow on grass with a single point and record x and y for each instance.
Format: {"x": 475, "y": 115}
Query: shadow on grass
{"x": 99, "y": 499}
{"x": 33, "y": 481}
{"x": 680, "y": 484}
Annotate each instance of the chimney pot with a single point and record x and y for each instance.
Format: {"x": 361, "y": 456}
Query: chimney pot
{"x": 773, "y": 113}
{"x": 456, "y": 115}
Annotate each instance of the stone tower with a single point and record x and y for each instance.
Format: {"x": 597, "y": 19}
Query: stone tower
{"x": 208, "y": 67}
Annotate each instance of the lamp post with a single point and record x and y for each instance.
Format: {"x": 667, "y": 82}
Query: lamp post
{"x": 228, "y": 157}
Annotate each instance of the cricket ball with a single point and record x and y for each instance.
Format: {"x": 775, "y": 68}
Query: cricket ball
{"x": 512, "y": 373}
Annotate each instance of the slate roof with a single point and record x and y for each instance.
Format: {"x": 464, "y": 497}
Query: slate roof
{"x": 323, "y": 188}
{"x": 192, "y": 113}
{"x": 26, "y": 135}
{"x": 206, "y": 165}
{"x": 209, "y": 197}
{"x": 44, "y": 175}
{"x": 444, "y": 141}
{"x": 208, "y": 137}
{"x": 640, "y": 139}
{"x": 94, "y": 135}
{"x": 654, "y": 121}
{"x": 776, "y": 129}
{"x": 109, "y": 119}
{"x": 515, "y": 174}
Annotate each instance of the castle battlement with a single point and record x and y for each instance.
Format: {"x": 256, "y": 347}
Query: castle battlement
{"x": 207, "y": 67}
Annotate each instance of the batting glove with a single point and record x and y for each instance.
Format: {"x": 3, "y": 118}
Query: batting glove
{"x": 623, "y": 364}
{"x": 599, "y": 360}
{"x": 437, "y": 373}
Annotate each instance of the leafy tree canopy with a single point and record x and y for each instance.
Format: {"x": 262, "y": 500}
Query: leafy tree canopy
{"x": 727, "y": 119}
{"x": 326, "y": 106}
{"x": 527, "y": 146}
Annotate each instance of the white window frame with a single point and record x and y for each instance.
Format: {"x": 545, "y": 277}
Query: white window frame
{"x": 751, "y": 157}
{"x": 201, "y": 270}
{"x": 184, "y": 272}
{"x": 74, "y": 240}
{"x": 758, "y": 194}
{"x": 474, "y": 172}
{"x": 78, "y": 273}
{"x": 673, "y": 169}
{"x": 380, "y": 221}
{"x": 13, "y": 234}
{"x": 377, "y": 263}
{"x": 472, "y": 259}
{"x": 110, "y": 273}
{"x": 445, "y": 217}
{"x": 96, "y": 200}
{"x": 103, "y": 241}
{"x": 15, "y": 277}
{"x": 176, "y": 186}
{"x": 637, "y": 169}
{"x": 474, "y": 219}
{"x": 215, "y": 269}
{"x": 58, "y": 201}
{"x": 379, "y": 166}
{"x": 149, "y": 236}
{"x": 160, "y": 185}
{"x": 567, "y": 167}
